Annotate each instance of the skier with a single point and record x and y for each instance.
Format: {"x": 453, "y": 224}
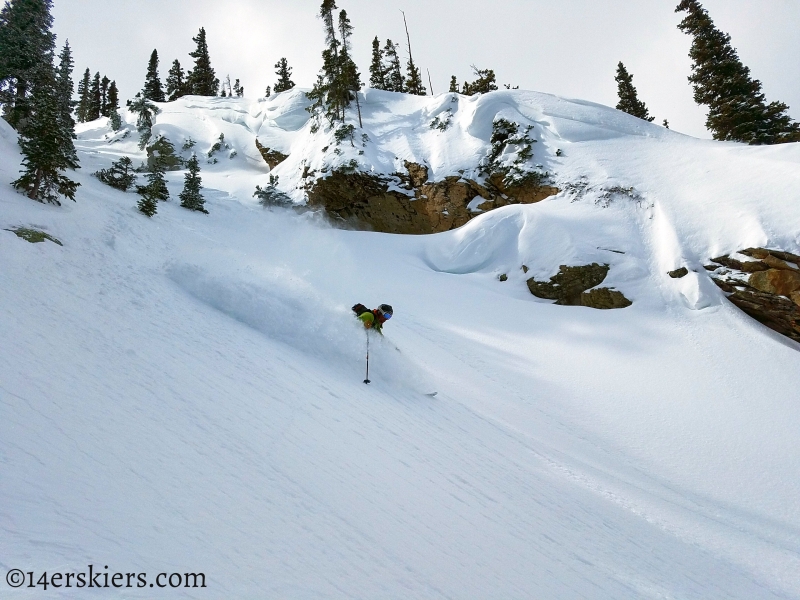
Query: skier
{"x": 373, "y": 319}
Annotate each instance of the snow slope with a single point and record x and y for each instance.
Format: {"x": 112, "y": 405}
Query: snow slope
{"x": 183, "y": 393}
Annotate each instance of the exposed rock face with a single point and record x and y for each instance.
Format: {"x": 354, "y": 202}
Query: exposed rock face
{"x": 272, "y": 157}
{"x": 776, "y": 281}
{"x": 571, "y": 287}
{"x": 427, "y": 207}
{"x": 767, "y": 289}
{"x": 678, "y": 273}
{"x": 604, "y": 298}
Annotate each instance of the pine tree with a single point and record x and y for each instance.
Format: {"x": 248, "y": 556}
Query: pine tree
{"x": 453, "y": 84}
{"x": 46, "y": 141}
{"x": 328, "y": 94}
{"x": 119, "y": 175}
{"x": 26, "y": 44}
{"x": 146, "y": 112}
{"x": 238, "y": 90}
{"x": 413, "y": 75}
{"x": 485, "y": 83}
{"x": 105, "y": 110}
{"x": 176, "y": 83}
{"x": 395, "y": 82}
{"x": 284, "y": 73}
{"x": 377, "y": 74}
{"x": 202, "y": 80}
{"x": 737, "y": 108}
{"x": 268, "y": 93}
{"x": 628, "y": 98}
{"x": 155, "y": 190}
{"x": 94, "y": 99}
{"x": 665, "y": 124}
{"x": 191, "y": 197}
{"x": 84, "y": 100}
{"x": 66, "y": 105}
{"x": 348, "y": 71}
{"x": 152, "y": 83}
{"x": 112, "y": 104}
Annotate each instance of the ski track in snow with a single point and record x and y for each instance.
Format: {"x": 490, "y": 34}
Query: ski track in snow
{"x": 184, "y": 393}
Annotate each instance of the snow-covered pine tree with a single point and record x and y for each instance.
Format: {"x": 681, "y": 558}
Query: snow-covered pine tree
{"x": 191, "y": 197}
{"x": 46, "y": 141}
{"x": 284, "y": 73}
{"x": 155, "y": 190}
{"x": 119, "y": 175}
{"x": 628, "y": 97}
{"x": 485, "y": 83}
{"x": 413, "y": 76}
{"x": 145, "y": 111}
{"x": 176, "y": 83}
{"x": 238, "y": 90}
{"x": 737, "y": 108}
{"x": 453, "y": 84}
{"x": 26, "y": 42}
{"x": 105, "y": 110}
{"x": 152, "y": 83}
{"x": 377, "y": 74}
{"x": 94, "y": 99}
{"x": 202, "y": 81}
{"x": 395, "y": 82}
{"x": 268, "y": 92}
{"x": 84, "y": 88}
{"x": 66, "y": 105}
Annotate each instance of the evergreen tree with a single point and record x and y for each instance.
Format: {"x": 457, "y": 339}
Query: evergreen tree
{"x": 226, "y": 87}
{"x": 485, "y": 83}
{"x": 105, "y": 109}
{"x": 268, "y": 93}
{"x": 238, "y": 90}
{"x": 176, "y": 83}
{"x": 191, "y": 197}
{"x": 66, "y": 105}
{"x": 155, "y": 190}
{"x": 46, "y": 141}
{"x": 152, "y": 83}
{"x": 146, "y": 112}
{"x": 350, "y": 78}
{"x": 413, "y": 75}
{"x": 84, "y": 100}
{"x": 202, "y": 80}
{"x": 26, "y": 44}
{"x": 737, "y": 108}
{"x": 94, "y": 99}
{"x": 666, "y": 124}
{"x": 377, "y": 73}
{"x": 628, "y": 98}
{"x": 395, "y": 82}
{"x": 328, "y": 94}
{"x": 284, "y": 73}
{"x": 453, "y": 84}
{"x": 119, "y": 175}
{"x": 112, "y": 103}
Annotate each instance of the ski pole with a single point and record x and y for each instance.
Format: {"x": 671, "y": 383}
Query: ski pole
{"x": 367, "y": 379}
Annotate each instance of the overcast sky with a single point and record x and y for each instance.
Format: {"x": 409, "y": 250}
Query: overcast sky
{"x": 564, "y": 47}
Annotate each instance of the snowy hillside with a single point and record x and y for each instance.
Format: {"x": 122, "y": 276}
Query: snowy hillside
{"x": 184, "y": 393}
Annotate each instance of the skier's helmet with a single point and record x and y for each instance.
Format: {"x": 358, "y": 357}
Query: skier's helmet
{"x": 386, "y": 310}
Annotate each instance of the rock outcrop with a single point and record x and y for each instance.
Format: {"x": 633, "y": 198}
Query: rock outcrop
{"x": 572, "y": 286}
{"x": 767, "y": 288}
{"x": 272, "y": 157}
{"x": 409, "y": 203}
